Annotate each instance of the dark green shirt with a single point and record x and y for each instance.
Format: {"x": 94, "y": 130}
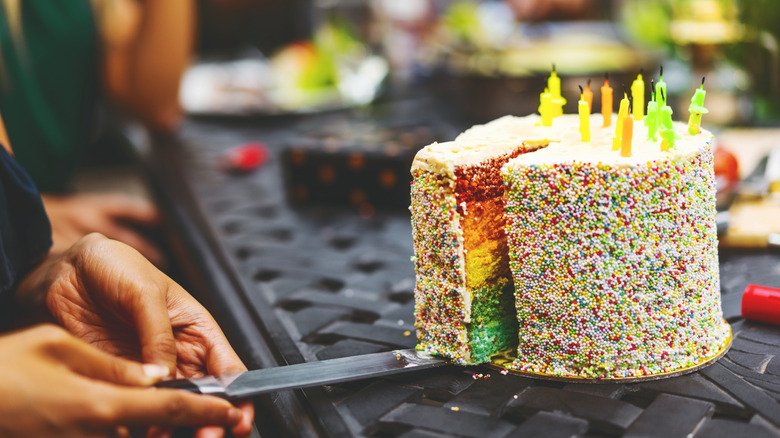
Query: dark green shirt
{"x": 47, "y": 86}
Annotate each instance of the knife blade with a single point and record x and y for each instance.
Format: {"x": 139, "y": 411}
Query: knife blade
{"x": 250, "y": 383}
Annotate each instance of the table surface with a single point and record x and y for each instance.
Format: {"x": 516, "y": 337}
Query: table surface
{"x": 293, "y": 283}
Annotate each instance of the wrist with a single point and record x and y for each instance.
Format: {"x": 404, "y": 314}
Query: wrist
{"x": 30, "y": 296}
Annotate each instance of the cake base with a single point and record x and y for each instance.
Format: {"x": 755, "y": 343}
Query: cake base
{"x": 499, "y": 362}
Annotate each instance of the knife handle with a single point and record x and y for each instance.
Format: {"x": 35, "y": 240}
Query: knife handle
{"x": 208, "y": 385}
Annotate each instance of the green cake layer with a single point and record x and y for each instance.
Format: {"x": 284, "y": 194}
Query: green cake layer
{"x": 493, "y": 328}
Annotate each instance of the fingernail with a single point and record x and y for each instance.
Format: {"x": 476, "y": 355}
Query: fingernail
{"x": 154, "y": 371}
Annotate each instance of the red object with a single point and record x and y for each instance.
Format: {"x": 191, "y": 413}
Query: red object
{"x": 246, "y": 157}
{"x": 761, "y": 303}
{"x": 726, "y": 169}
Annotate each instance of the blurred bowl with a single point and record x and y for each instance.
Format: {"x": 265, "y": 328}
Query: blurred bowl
{"x": 486, "y": 84}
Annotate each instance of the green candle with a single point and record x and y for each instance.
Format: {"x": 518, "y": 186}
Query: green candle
{"x": 697, "y": 109}
{"x": 660, "y": 89}
{"x": 651, "y": 120}
{"x": 667, "y": 128}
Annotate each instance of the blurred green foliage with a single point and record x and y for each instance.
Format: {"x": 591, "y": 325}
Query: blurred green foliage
{"x": 756, "y": 49}
{"x": 759, "y": 54}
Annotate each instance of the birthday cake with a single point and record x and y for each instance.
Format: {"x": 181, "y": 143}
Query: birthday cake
{"x": 579, "y": 259}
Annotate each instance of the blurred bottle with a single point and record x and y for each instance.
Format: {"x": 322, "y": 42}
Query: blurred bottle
{"x": 403, "y": 25}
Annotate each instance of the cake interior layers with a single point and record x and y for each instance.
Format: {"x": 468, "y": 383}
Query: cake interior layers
{"x": 479, "y": 192}
{"x": 465, "y": 296}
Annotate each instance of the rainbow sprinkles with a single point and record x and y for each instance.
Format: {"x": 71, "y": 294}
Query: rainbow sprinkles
{"x": 573, "y": 258}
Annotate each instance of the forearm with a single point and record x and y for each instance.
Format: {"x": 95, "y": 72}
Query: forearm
{"x": 143, "y": 76}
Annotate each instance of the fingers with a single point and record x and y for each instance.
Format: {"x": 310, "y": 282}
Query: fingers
{"x": 155, "y": 333}
{"x": 244, "y": 426}
{"x": 209, "y": 432}
{"x": 125, "y": 234}
{"x": 88, "y": 361}
{"x": 130, "y": 208}
{"x": 122, "y": 280}
{"x": 170, "y": 407}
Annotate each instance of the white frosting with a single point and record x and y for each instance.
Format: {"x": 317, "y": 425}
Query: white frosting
{"x": 562, "y": 140}
{"x": 570, "y": 147}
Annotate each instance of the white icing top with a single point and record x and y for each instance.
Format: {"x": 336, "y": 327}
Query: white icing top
{"x": 508, "y": 133}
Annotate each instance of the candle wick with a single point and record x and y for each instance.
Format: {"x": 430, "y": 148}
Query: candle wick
{"x": 663, "y": 94}
{"x": 581, "y": 91}
{"x": 702, "y": 81}
{"x": 553, "y": 67}
{"x": 662, "y": 72}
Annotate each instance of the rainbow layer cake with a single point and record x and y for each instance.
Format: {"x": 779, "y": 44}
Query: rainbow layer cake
{"x": 577, "y": 259}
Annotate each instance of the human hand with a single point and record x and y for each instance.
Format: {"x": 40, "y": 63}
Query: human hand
{"x": 56, "y": 385}
{"x": 107, "y": 294}
{"x": 111, "y": 214}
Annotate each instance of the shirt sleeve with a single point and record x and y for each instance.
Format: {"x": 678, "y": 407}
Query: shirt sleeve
{"x": 25, "y": 232}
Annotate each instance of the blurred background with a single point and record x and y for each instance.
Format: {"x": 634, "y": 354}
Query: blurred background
{"x": 488, "y": 58}
{"x": 471, "y": 61}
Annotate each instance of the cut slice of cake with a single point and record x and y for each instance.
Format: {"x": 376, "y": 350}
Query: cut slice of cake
{"x": 464, "y": 297}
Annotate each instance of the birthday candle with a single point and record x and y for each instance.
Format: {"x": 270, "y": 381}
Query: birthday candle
{"x": 545, "y": 108}
{"x": 638, "y": 94}
{"x": 667, "y": 128}
{"x": 622, "y": 112}
{"x": 554, "y": 83}
{"x": 584, "y": 112}
{"x": 628, "y": 134}
{"x": 588, "y": 95}
{"x": 651, "y": 121}
{"x": 660, "y": 89}
{"x": 606, "y": 102}
{"x": 556, "y": 99}
{"x": 697, "y": 109}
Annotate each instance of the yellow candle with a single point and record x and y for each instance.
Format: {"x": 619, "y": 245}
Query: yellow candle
{"x": 622, "y": 112}
{"x": 556, "y": 99}
{"x": 554, "y": 83}
{"x": 638, "y": 94}
{"x": 545, "y": 108}
{"x": 584, "y": 111}
{"x": 606, "y": 102}
{"x": 628, "y": 134}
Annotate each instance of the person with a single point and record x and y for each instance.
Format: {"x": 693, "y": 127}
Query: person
{"x": 122, "y": 326}
{"x": 57, "y": 60}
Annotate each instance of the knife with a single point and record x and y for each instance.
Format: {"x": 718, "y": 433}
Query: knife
{"x": 250, "y": 383}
